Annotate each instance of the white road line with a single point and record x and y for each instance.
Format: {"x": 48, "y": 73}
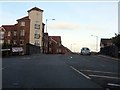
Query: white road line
{"x": 80, "y": 72}
{"x": 100, "y": 71}
{"x": 104, "y": 77}
{"x": 111, "y": 84}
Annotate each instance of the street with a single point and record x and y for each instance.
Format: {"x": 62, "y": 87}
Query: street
{"x": 60, "y": 71}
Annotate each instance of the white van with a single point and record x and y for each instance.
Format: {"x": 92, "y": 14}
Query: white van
{"x": 85, "y": 51}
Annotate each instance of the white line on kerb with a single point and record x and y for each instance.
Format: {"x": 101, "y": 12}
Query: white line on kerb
{"x": 104, "y": 77}
{"x": 111, "y": 84}
{"x": 80, "y": 72}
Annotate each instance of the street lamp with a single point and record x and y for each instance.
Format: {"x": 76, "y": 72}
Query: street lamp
{"x": 96, "y": 42}
{"x": 46, "y": 23}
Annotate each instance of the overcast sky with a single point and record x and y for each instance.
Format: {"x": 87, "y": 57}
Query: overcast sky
{"x": 75, "y": 22}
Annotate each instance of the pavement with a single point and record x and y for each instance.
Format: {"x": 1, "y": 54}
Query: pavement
{"x": 109, "y": 57}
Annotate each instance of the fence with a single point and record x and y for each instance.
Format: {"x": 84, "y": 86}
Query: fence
{"x": 113, "y": 51}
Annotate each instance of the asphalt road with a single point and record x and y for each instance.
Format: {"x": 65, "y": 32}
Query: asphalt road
{"x": 60, "y": 71}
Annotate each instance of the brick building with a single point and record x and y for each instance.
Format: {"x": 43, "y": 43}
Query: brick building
{"x": 56, "y": 47}
{"x": 28, "y": 30}
{"x": 27, "y": 36}
{"x": 45, "y": 43}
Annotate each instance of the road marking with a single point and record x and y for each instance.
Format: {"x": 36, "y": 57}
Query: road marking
{"x": 104, "y": 77}
{"x": 80, "y": 72}
{"x": 111, "y": 84}
{"x": 100, "y": 71}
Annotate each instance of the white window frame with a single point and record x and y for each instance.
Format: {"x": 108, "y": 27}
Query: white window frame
{"x": 8, "y": 41}
{"x": 1, "y": 41}
{"x": 9, "y": 33}
{"x": 22, "y": 23}
{"x": 22, "y": 32}
{"x": 2, "y": 33}
{"x": 15, "y": 33}
{"x": 15, "y": 42}
{"x": 50, "y": 49}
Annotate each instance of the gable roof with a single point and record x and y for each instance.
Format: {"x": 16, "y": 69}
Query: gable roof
{"x": 105, "y": 41}
{"x": 9, "y": 27}
{"x": 24, "y": 18}
{"x": 56, "y": 38}
{"x": 35, "y": 8}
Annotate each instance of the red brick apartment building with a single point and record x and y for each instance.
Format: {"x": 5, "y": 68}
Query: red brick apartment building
{"x": 28, "y": 30}
{"x": 27, "y": 36}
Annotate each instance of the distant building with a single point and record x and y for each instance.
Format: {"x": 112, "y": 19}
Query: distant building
{"x": 45, "y": 43}
{"x": 56, "y": 47}
{"x": 28, "y": 30}
{"x": 105, "y": 42}
{"x": 54, "y": 44}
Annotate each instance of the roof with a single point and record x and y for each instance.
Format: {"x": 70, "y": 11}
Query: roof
{"x": 9, "y": 27}
{"x": 56, "y": 38}
{"x": 105, "y": 41}
{"x": 24, "y": 18}
{"x": 35, "y": 8}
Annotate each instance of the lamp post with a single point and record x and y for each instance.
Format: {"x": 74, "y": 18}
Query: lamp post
{"x": 46, "y": 23}
{"x": 96, "y": 42}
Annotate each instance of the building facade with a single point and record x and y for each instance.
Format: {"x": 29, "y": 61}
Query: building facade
{"x": 28, "y": 30}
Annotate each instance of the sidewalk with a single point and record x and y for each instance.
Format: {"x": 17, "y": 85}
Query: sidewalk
{"x": 109, "y": 57}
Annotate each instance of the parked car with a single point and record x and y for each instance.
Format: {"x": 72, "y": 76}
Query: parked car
{"x": 85, "y": 51}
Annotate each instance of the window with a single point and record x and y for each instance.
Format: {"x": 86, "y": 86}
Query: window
{"x": 2, "y": 34}
{"x": 8, "y": 41}
{"x": 15, "y": 33}
{"x": 50, "y": 49}
{"x": 22, "y": 24}
{"x": 14, "y": 42}
{"x": 37, "y": 36}
{"x": 1, "y": 41}
{"x": 36, "y": 32}
{"x": 21, "y": 42}
{"x": 36, "y": 43}
{"x": 37, "y": 26}
{"x": 9, "y": 33}
{"x": 50, "y": 42}
{"x": 22, "y": 32}
{"x": 59, "y": 50}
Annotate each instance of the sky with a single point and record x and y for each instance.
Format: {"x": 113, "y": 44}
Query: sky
{"x": 75, "y": 21}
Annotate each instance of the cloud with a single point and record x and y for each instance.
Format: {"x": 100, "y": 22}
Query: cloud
{"x": 65, "y": 26}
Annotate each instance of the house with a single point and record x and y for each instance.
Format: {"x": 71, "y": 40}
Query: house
{"x": 108, "y": 48}
{"x": 28, "y": 30}
{"x": 56, "y": 47}
{"x": 54, "y": 44}
{"x": 105, "y": 42}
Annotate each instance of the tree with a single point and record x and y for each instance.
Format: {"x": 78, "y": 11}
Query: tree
{"x": 116, "y": 40}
